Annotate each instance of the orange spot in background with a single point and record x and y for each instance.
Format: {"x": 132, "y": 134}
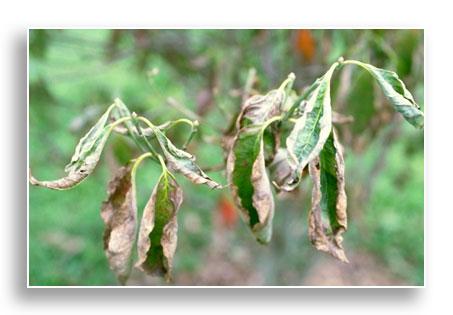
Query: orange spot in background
{"x": 305, "y": 45}
{"x": 227, "y": 210}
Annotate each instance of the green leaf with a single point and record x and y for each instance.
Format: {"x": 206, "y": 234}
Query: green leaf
{"x": 249, "y": 181}
{"x": 317, "y": 232}
{"x": 311, "y": 130}
{"x": 396, "y": 92}
{"x": 183, "y": 162}
{"x": 119, "y": 213}
{"x": 85, "y": 158}
{"x": 158, "y": 230}
{"x": 333, "y": 194}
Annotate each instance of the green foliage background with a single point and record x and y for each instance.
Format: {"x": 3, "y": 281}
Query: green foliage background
{"x": 75, "y": 74}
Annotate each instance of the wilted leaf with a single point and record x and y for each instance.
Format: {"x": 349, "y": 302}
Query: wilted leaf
{"x": 119, "y": 213}
{"x": 280, "y": 168}
{"x": 396, "y": 92}
{"x": 249, "y": 182}
{"x": 311, "y": 130}
{"x": 260, "y": 108}
{"x": 183, "y": 162}
{"x": 85, "y": 158}
{"x": 158, "y": 230}
{"x": 328, "y": 196}
{"x": 333, "y": 200}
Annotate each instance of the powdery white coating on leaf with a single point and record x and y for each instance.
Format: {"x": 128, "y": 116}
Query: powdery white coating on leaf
{"x": 119, "y": 213}
{"x": 316, "y": 228}
{"x": 157, "y": 241}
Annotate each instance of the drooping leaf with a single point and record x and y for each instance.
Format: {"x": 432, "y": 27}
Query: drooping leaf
{"x": 119, "y": 213}
{"x": 311, "y": 130}
{"x": 158, "y": 230}
{"x": 317, "y": 232}
{"x": 85, "y": 158}
{"x": 333, "y": 194}
{"x": 397, "y": 94}
{"x": 183, "y": 162}
{"x": 249, "y": 182}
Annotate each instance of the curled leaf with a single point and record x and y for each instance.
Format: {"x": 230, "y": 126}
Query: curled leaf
{"x": 85, "y": 158}
{"x": 249, "y": 182}
{"x": 328, "y": 196}
{"x": 260, "y": 108}
{"x": 311, "y": 130}
{"x": 119, "y": 214}
{"x": 396, "y": 92}
{"x": 158, "y": 230}
{"x": 280, "y": 168}
{"x": 183, "y": 162}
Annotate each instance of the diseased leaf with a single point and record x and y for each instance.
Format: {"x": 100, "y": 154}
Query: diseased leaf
{"x": 183, "y": 162}
{"x": 85, "y": 158}
{"x": 260, "y": 108}
{"x": 158, "y": 230}
{"x": 280, "y": 168}
{"x": 317, "y": 231}
{"x": 119, "y": 213}
{"x": 396, "y": 92}
{"x": 250, "y": 183}
{"x": 333, "y": 194}
{"x": 311, "y": 130}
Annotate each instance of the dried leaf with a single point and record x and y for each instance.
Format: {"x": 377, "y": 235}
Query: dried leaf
{"x": 249, "y": 182}
{"x": 158, "y": 230}
{"x": 328, "y": 196}
{"x": 311, "y": 130}
{"x": 280, "y": 168}
{"x": 258, "y": 109}
{"x": 119, "y": 213}
{"x": 397, "y": 94}
{"x": 85, "y": 158}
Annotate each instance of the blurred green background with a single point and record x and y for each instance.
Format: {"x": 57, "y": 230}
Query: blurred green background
{"x": 74, "y": 75}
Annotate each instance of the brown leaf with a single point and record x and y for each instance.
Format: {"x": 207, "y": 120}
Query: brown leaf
{"x": 157, "y": 238}
{"x": 317, "y": 230}
{"x": 119, "y": 213}
{"x": 259, "y": 108}
{"x": 85, "y": 158}
{"x": 249, "y": 182}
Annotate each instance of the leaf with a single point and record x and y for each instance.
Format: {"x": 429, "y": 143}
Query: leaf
{"x": 396, "y": 92}
{"x": 328, "y": 196}
{"x": 158, "y": 230}
{"x": 311, "y": 130}
{"x": 333, "y": 201}
{"x": 280, "y": 168}
{"x": 249, "y": 182}
{"x": 258, "y": 109}
{"x": 119, "y": 213}
{"x": 183, "y": 162}
{"x": 85, "y": 158}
